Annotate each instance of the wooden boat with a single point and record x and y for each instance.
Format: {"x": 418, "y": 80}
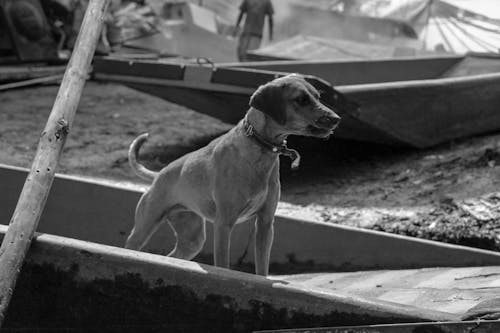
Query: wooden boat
{"x": 418, "y": 102}
{"x": 78, "y": 277}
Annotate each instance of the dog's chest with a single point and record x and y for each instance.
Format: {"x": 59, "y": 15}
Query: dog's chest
{"x": 252, "y": 206}
{"x": 256, "y": 195}
{"x": 244, "y": 177}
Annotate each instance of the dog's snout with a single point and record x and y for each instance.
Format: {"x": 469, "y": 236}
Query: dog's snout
{"x": 328, "y": 121}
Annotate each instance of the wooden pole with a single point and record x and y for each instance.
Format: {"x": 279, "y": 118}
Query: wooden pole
{"x": 36, "y": 188}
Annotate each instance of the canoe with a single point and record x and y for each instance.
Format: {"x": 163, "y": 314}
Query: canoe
{"x": 417, "y": 101}
{"x": 78, "y": 276}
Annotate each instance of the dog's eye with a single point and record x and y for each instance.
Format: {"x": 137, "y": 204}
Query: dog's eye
{"x": 303, "y": 100}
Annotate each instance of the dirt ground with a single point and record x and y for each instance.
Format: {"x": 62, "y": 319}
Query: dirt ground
{"x": 446, "y": 193}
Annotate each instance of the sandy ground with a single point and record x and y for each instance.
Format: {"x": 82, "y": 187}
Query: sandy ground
{"x": 445, "y": 193}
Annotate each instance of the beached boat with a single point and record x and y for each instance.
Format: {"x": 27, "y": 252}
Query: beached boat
{"x": 77, "y": 276}
{"x": 418, "y": 102}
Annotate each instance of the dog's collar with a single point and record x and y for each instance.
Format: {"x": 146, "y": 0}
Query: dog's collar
{"x": 282, "y": 149}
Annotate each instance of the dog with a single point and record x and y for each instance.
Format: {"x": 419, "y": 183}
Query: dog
{"x": 235, "y": 178}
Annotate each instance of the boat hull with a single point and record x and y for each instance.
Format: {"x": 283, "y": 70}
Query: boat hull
{"x": 78, "y": 285}
{"x": 80, "y": 208}
{"x": 224, "y": 93}
{"x": 430, "y": 103}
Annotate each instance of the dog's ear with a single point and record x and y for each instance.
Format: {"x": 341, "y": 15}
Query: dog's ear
{"x": 269, "y": 100}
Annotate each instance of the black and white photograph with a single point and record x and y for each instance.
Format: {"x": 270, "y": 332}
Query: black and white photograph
{"x": 293, "y": 166}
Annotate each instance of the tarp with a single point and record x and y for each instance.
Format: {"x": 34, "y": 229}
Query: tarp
{"x": 445, "y": 25}
{"x": 227, "y": 10}
{"x": 456, "y": 26}
{"x": 455, "y": 29}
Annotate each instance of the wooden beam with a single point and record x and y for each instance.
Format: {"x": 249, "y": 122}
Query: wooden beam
{"x": 31, "y": 82}
{"x": 37, "y": 186}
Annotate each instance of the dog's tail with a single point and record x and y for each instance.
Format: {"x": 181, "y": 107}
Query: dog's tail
{"x": 133, "y": 152}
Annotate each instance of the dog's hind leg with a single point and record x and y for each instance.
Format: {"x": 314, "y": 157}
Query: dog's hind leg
{"x": 147, "y": 221}
{"x": 190, "y": 232}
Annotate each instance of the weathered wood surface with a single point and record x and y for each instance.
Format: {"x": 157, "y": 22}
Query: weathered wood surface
{"x": 31, "y": 82}
{"x": 483, "y": 326}
{"x": 32, "y": 200}
{"x": 444, "y": 289}
{"x": 21, "y": 73}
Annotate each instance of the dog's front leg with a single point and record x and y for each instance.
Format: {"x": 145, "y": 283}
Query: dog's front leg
{"x": 222, "y": 237}
{"x": 264, "y": 226}
{"x": 263, "y": 240}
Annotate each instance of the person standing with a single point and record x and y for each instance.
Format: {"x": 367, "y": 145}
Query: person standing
{"x": 253, "y": 28}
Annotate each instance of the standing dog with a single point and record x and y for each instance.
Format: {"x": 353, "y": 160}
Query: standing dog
{"x": 233, "y": 179}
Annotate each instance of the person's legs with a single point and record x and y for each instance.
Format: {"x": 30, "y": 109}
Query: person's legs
{"x": 247, "y": 42}
{"x": 242, "y": 47}
{"x": 254, "y": 42}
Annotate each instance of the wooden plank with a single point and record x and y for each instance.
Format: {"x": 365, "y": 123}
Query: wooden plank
{"x": 132, "y": 67}
{"x": 195, "y": 85}
{"x": 32, "y": 82}
{"x": 19, "y": 73}
{"x": 37, "y": 186}
{"x": 445, "y": 289}
{"x": 483, "y": 326}
{"x": 352, "y": 72}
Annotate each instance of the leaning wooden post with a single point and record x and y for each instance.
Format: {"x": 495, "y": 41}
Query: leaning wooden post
{"x": 32, "y": 200}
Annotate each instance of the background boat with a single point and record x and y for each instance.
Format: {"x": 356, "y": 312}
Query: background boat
{"x": 417, "y": 102}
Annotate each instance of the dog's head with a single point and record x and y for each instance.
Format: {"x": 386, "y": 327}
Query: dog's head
{"x": 294, "y": 104}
